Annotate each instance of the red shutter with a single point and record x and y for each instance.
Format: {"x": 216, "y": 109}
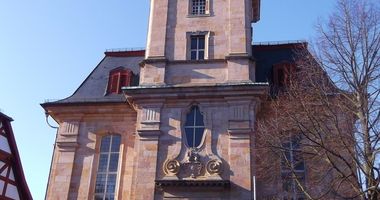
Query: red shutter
{"x": 118, "y": 78}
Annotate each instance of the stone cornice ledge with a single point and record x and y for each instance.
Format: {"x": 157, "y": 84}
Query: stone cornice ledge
{"x": 67, "y": 146}
{"x": 186, "y": 91}
{"x": 162, "y": 184}
{"x": 240, "y": 133}
{"x": 149, "y": 133}
{"x": 154, "y": 59}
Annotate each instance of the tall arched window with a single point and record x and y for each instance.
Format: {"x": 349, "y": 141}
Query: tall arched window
{"x": 292, "y": 168}
{"x": 194, "y": 127}
{"x": 107, "y": 169}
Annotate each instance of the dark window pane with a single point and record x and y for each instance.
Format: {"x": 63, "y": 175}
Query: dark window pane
{"x": 103, "y": 162}
{"x": 194, "y": 43}
{"x": 111, "y": 183}
{"x": 190, "y": 119}
{"x": 189, "y": 136}
{"x": 198, "y": 136}
{"x": 201, "y": 55}
{"x": 110, "y": 197}
{"x": 193, "y": 55}
{"x": 115, "y": 143}
{"x": 123, "y": 80}
{"x": 105, "y": 145}
{"x": 100, "y": 183}
{"x": 298, "y": 161}
{"x": 98, "y": 197}
{"x": 114, "y": 160}
{"x": 201, "y": 44}
{"x": 199, "y": 118}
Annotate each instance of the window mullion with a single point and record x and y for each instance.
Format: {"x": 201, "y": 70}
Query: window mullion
{"x": 107, "y": 169}
{"x": 194, "y": 123}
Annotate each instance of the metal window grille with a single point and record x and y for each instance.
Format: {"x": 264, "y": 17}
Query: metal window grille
{"x": 198, "y": 7}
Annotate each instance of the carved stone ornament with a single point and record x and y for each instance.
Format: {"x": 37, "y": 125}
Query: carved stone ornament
{"x": 193, "y": 165}
{"x": 214, "y": 166}
{"x": 172, "y": 167}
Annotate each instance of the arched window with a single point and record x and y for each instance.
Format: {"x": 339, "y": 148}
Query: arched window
{"x": 194, "y": 127}
{"x": 292, "y": 168}
{"x": 107, "y": 169}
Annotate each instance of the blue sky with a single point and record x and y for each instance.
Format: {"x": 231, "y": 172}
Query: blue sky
{"x": 47, "y": 48}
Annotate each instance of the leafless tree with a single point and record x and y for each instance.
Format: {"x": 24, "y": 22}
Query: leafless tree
{"x": 332, "y": 103}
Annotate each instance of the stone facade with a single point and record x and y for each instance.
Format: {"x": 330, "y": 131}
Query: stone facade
{"x": 156, "y": 160}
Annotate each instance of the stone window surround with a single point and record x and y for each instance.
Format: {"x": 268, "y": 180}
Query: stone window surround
{"x": 192, "y": 112}
{"x": 207, "y": 9}
{"x": 186, "y": 110}
{"x": 99, "y": 138}
{"x": 207, "y": 35}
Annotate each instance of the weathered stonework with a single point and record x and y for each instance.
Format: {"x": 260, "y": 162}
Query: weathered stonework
{"x": 155, "y": 160}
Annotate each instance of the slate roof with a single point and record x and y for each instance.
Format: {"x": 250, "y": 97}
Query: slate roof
{"x": 93, "y": 89}
{"x": 268, "y": 54}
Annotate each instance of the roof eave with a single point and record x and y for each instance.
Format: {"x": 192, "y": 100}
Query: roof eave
{"x": 256, "y": 10}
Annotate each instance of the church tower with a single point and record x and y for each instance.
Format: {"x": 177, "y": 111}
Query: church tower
{"x": 197, "y": 101}
{"x": 200, "y": 42}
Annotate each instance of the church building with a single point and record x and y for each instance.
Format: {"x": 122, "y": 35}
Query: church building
{"x": 178, "y": 119}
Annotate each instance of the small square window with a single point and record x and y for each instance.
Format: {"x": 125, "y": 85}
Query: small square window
{"x": 198, "y": 7}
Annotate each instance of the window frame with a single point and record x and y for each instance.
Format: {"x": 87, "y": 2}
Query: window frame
{"x": 105, "y": 194}
{"x": 288, "y": 172}
{"x": 285, "y": 70}
{"x": 207, "y": 8}
{"x": 194, "y": 127}
{"x": 116, "y": 80}
{"x": 189, "y": 36}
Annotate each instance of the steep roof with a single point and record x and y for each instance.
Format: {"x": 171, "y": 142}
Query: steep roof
{"x": 270, "y": 53}
{"x": 93, "y": 89}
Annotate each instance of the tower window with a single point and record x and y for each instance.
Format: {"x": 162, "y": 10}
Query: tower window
{"x": 292, "y": 169}
{"x": 197, "y": 47}
{"x": 198, "y": 7}
{"x": 118, "y": 78}
{"x": 194, "y": 127}
{"x": 105, "y": 185}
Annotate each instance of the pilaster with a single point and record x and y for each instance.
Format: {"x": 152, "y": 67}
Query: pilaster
{"x": 148, "y": 130}
{"x": 240, "y": 130}
{"x": 158, "y": 20}
{"x": 63, "y": 163}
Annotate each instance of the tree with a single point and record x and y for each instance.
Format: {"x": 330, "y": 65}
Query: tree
{"x": 331, "y": 103}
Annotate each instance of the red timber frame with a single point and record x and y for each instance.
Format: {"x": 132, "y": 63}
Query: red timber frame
{"x": 11, "y": 162}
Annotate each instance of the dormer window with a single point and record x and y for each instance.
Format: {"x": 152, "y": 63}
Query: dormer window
{"x": 282, "y": 73}
{"x": 117, "y": 79}
{"x": 199, "y": 7}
